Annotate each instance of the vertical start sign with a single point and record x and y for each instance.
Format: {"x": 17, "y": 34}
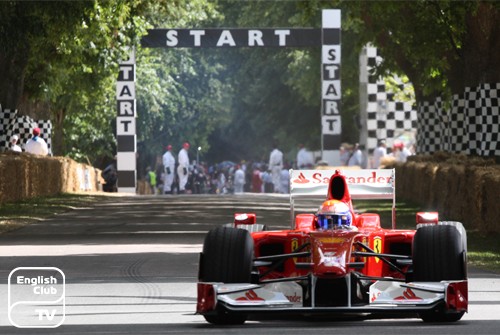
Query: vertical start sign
{"x": 125, "y": 126}
{"x": 331, "y": 123}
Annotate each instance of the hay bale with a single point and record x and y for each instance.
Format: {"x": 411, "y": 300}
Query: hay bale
{"x": 460, "y": 188}
{"x": 26, "y": 176}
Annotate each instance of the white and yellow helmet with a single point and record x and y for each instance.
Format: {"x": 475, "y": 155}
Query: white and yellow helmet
{"x": 334, "y": 214}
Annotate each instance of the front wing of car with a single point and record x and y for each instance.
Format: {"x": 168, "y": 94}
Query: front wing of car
{"x": 385, "y": 297}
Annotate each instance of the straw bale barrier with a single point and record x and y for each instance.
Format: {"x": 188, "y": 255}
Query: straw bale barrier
{"x": 460, "y": 188}
{"x": 23, "y": 176}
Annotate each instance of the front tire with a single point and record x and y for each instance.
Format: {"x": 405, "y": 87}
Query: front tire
{"x": 440, "y": 253}
{"x": 227, "y": 258}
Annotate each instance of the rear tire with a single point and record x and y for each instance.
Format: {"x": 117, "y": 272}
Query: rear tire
{"x": 227, "y": 258}
{"x": 440, "y": 253}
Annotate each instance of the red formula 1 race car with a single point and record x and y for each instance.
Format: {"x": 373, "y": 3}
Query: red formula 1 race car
{"x": 335, "y": 261}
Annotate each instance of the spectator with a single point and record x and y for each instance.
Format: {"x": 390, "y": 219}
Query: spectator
{"x": 267, "y": 181}
{"x": 344, "y": 154}
{"x": 183, "y": 168}
{"x": 379, "y": 153}
{"x": 37, "y": 145}
{"x": 151, "y": 179}
{"x": 285, "y": 180}
{"x": 169, "y": 168}
{"x": 256, "y": 180}
{"x": 275, "y": 165}
{"x": 110, "y": 175}
{"x": 221, "y": 183}
{"x": 356, "y": 157}
{"x": 305, "y": 158}
{"x": 13, "y": 144}
{"x": 248, "y": 177}
{"x": 401, "y": 152}
{"x": 239, "y": 180}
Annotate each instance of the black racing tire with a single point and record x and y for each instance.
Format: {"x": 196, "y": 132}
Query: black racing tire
{"x": 440, "y": 253}
{"x": 227, "y": 257}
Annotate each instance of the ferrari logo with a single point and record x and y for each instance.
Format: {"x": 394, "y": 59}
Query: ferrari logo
{"x": 377, "y": 246}
{"x": 365, "y": 242}
{"x": 295, "y": 246}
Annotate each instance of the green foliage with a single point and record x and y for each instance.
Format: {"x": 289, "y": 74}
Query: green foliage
{"x": 232, "y": 102}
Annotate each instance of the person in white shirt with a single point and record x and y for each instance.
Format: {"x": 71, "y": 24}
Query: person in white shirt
{"x": 183, "y": 168}
{"x": 401, "y": 152}
{"x": 13, "y": 144}
{"x": 37, "y": 145}
{"x": 239, "y": 180}
{"x": 275, "y": 165}
{"x": 285, "y": 180}
{"x": 305, "y": 158}
{"x": 379, "y": 153}
{"x": 356, "y": 158}
{"x": 169, "y": 170}
{"x": 344, "y": 153}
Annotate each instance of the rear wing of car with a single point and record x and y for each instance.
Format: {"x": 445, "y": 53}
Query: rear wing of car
{"x": 362, "y": 184}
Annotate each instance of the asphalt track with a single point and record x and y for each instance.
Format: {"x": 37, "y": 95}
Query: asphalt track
{"x": 130, "y": 265}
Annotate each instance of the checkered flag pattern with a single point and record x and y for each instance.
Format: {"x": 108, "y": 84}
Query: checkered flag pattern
{"x": 387, "y": 118}
{"x": 11, "y": 123}
{"x": 457, "y": 140}
{"x": 485, "y": 119}
{"x": 471, "y": 126}
{"x": 429, "y": 129}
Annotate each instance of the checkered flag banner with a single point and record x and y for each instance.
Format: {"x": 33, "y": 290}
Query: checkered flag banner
{"x": 387, "y": 118}
{"x": 470, "y": 126}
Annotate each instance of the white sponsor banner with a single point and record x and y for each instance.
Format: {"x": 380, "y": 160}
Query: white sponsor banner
{"x": 363, "y": 183}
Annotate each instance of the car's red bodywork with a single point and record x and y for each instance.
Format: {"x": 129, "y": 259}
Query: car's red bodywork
{"x": 366, "y": 268}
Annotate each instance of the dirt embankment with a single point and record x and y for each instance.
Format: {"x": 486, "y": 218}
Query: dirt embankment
{"x": 24, "y": 176}
{"x": 460, "y": 188}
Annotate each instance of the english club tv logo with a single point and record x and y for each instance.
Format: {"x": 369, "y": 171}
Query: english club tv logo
{"x": 36, "y": 297}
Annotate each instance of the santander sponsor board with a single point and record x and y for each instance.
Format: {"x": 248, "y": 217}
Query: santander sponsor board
{"x": 361, "y": 182}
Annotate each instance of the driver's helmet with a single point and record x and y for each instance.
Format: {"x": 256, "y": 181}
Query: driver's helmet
{"x": 334, "y": 214}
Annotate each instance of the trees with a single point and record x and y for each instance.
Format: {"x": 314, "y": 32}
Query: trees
{"x": 65, "y": 54}
{"x": 442, "y": 46}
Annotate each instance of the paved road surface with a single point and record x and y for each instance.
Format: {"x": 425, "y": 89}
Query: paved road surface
{"x": 131, "y": 264}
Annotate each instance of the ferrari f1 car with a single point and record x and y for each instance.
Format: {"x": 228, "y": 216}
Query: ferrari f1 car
{"x": 335, "y": 261}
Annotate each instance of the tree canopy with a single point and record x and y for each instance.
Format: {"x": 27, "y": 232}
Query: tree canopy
{"x": 234, "y": 102}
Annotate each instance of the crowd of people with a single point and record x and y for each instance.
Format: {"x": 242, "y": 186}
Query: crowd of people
{"x": 178, "y": 175}
{"x": 354, "y": 155}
